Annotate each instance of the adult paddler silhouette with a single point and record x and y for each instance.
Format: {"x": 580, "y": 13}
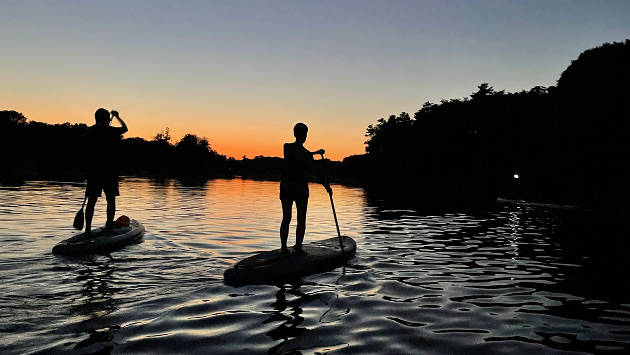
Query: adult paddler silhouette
{"x": 268, "y": 267}
{"x": 298, "y": 165}
{"x": 102, "y": 173}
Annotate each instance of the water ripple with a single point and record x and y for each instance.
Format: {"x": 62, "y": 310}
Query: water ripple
{"x": 514, "y": 280}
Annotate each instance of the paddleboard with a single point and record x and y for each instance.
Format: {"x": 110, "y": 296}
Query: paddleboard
{"x": 272, "y": 267}
{"x": 99, "y": 242}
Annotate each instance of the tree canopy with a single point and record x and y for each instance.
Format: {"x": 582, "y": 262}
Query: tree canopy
{"x": 566, "y": 143}
{"x": 39, "y": 149}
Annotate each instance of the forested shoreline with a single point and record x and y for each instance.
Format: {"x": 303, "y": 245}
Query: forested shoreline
{"x": 561, "y": 144}
{"x": 40, "y": 150}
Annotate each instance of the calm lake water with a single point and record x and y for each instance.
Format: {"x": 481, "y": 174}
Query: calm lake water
{"x": 521, "y": 279}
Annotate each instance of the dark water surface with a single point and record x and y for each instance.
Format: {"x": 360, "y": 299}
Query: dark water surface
{"x": 522, "y": 279}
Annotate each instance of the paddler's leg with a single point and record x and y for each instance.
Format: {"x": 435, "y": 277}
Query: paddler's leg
{"x": 111, "y": 211}
{"x": 111, "y": 191}
{"x": 301, "y": 206}
{"x": 89, "y": 213}
{"x": 93, "y": 192}
{"x": 287, "y": 206}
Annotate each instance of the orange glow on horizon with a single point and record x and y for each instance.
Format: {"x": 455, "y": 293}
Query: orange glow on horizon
{"x": 230, "y": 139}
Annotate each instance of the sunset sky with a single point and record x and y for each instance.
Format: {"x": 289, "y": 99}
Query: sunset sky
{"x": 242, "y": 73}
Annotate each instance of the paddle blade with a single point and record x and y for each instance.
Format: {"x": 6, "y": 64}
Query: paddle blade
{"x": 78, "y": 220}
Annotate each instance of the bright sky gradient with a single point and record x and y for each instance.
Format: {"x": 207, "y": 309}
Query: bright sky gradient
{"x": 242, "y": 73}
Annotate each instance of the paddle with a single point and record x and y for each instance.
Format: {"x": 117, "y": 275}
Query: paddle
{"x": 78, "y": 219}
{"x": 334, "y": 213}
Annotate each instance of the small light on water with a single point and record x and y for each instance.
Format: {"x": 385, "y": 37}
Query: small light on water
{"x": 516, "y": 176}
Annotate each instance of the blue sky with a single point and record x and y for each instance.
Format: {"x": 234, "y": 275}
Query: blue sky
{"x": 243, "y": 72}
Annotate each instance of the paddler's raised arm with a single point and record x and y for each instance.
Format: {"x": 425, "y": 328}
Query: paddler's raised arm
{"x": 123, "y": 126}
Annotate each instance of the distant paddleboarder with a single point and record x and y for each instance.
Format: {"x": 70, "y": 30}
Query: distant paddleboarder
{"x": 294, "y": 186}
{"x": 102, "y": 172}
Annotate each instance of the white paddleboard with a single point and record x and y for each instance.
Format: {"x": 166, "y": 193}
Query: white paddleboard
{"x": 100, "y": 242}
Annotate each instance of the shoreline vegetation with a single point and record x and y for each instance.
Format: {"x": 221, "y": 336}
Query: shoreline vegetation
{"x": 564, "y": 144}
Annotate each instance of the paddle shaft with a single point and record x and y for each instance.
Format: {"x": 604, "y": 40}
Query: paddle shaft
{"x": 336, "y": 223}
{"x": 334, "y": 214}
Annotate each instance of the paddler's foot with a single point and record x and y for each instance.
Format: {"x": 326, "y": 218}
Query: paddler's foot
{"x": 109, "y": 228}
{"x": 299, "y": 251}
{"x": 285, "y": 251}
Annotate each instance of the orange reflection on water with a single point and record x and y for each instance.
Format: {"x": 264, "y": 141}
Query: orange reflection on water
{"x": 217, "y": 215}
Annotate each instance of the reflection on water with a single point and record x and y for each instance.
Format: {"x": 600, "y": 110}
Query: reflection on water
{"x": 97, "y": 290}
{"x": 520, "y": 279}
{"x": 290, "y": 321}
{"x": 97, "y": 301}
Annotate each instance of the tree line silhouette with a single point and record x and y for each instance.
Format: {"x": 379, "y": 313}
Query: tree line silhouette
{"x": 566, "y": 144}
{"x": 40, "y": 150}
